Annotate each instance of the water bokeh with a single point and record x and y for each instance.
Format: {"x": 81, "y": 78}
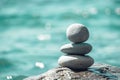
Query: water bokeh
{"x": 32, "y": 31}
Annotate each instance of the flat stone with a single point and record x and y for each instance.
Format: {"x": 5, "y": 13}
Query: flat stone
{"x": 77, "y": 33}
{"x": 75, "y": 62}
{"x": 78, "y": 49}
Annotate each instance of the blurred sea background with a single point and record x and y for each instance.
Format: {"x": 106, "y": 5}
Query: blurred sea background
{"x": 32, "y": 31}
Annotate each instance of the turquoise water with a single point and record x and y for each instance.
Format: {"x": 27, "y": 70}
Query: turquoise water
{"x": 32, "y": 31}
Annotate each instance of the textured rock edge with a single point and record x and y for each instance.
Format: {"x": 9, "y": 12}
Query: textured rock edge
{"x": 95, "y": 72}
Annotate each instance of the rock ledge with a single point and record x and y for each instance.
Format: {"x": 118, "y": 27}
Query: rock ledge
{"x": 95, "y": 72}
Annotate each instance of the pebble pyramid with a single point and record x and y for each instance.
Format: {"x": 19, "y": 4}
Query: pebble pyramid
{"x": 75, "y": 53}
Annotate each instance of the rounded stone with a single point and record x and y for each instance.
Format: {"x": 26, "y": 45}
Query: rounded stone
{"x": 75, "y": 62}
{"x": 77, "y": 33}
{"x": 76, "y": 49}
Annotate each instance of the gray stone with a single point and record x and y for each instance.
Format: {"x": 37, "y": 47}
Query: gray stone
{"x": 95, "y": 72}
{"x": 76, "y": 49}
{"x": 77, "y": 33}
{"x": 75, "y": 62}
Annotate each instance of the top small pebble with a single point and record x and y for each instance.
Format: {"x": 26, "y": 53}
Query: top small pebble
{"x": 77, "y": 33}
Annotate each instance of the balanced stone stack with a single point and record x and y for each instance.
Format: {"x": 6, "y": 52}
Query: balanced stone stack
{"x": 75, "y": 53}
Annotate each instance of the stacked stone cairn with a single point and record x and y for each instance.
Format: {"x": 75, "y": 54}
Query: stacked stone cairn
{"x": 75, "y": 53}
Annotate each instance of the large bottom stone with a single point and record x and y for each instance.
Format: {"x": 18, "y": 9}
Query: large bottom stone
{"x": 96, "y": 72}
{"x": 75, "y": 61}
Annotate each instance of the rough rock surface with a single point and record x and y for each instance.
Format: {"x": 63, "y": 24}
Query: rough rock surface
{"x": 96, "y": 72}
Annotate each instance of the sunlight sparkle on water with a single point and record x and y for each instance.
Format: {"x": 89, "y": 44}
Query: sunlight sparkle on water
{"x": 9, "y": 77}
{"x": 40, "y": 65}
{"x": 42, "y": 37}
